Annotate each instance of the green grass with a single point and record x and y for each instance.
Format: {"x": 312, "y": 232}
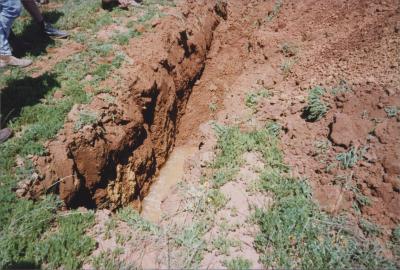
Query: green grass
{"x": 288, "y": 49}
{"x": 275, "y": 11}
{"x": 232, "y": 144}
{"x": 133, "y": 219}
{"x": 237, "y": 264}
{"x": 86, "y": 118}
{"x": 348, "y": 159}
{"x": 110, "y": 260}
{"x": 341, "y": 88}
{"x": 286, "y": 66}
{"x": 369, "y": 228}
{"x": 294, "y": 233}
{"x": 253, "y": 98}
{"x": 316, "y": 108}
{"x": 392, "y": 111}
{"x": 122, "y": 38}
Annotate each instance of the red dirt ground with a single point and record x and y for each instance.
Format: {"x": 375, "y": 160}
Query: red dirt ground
{"x": 354, "y": 41}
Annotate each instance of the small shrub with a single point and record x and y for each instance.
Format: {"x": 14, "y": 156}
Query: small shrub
{"x": 217, "y": 198}
{"x": 369, "y": 228}
{"x": 348, "y": 159}
{"x": 237, "y": 264}
{"x": 275, "y": 11}
{"x": 134, "y": 220}
{"x": 110, "y": 260}
{"x": 213, "y": 106}
{"x": 253, "y": 98}
{"x": 286, "y": 66}
{"x": 86, "y": 118}
{"x": 343, "y": 87}
{"x": 316, "y": 108}
{"x": 288, "y": 49}
{"x": 392, "y": 111}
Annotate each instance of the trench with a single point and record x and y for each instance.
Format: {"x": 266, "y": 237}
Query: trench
{"x": 115, "y": 163}
{"x": 170, "y": 175}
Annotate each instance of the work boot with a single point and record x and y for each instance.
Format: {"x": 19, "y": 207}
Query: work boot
{"x": 42, "y": 2}
{"x": 5, "y": 134}
{"x": 9, "y": 60}
{"x": 51, "y": 31}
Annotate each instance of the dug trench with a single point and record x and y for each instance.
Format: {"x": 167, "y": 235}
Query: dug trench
{"x": 108, "y": 152}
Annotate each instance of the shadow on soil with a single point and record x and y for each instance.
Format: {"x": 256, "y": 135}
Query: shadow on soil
{"x": 23, "y": 92}
{"x": 32, "y": 40}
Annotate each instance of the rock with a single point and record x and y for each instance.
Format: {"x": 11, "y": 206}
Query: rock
{"x": 331, "y": 198}
{"x": 346, "y": 130}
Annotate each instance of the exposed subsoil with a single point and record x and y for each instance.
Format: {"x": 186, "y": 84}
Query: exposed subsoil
{"x": 338, "y": 44}
{"x": 199, "y": 64}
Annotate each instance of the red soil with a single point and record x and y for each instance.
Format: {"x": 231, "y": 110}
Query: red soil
{"x": 113, "y": 162}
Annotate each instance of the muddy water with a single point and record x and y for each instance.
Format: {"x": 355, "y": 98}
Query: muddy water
{"x": 170, "y": 175}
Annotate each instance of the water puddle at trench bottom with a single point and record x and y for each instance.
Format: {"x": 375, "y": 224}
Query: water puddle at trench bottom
{"x": 170, "y": 175}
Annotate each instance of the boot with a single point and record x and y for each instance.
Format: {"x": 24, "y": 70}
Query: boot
{"x": 9, "y": 60}
{"x": 51, "y": 31}
{"x": 5, "y": 134}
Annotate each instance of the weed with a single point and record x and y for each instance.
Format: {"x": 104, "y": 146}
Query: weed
{"x": 85, "y": 118}
{"x": 68, "y": 247}
{"x": 275, "y": 11}
{"x": 133, "y": 219}
{"x": 392, "y": 111}
{"x": 191, "y": 240}
{"x": 396, "y": 241}
{"x": 343, "y": 87}
{"x": 110, "y": 260}
{"x": 121, "y": 239}
{"x": 288, "y": 49}
{"x": 216, "y": 198}
{"x": 253, "y": 98}
{"x": 316, "y": 108}
{"x": 238, "y": 264}
{"x": 396, "y": 235}
{"x": 232, "y": 143}
{"x": 110, "y": 226}
{"x": 348, "y": 159}
{"x": 369, "y": 228}
{"x": 213, "y": 107}
{"x": 223, "y": 244}
{"x": 361, "y": 199}
{"x": 286, "y": 66}
{"x": 322, "y": 147}
{"x": 122, "y": 38}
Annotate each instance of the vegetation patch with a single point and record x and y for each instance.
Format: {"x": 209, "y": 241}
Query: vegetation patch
{"x": 238, "y": 264}
{"x": 253, "y": 98}
{"x": 316, "y": 107}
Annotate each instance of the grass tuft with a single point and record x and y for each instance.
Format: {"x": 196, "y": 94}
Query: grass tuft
{"x": 316, "y": 108}
{"x": 237, "y": 264}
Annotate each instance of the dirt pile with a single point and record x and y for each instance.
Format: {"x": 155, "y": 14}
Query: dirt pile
{"x": 108, "y": 151}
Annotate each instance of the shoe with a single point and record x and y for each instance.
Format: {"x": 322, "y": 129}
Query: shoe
{"x": 5, "y": 134}
{"x": 51, "y": 31}
{"x": 42, "y": 2}
{"x": 9, "y": 60}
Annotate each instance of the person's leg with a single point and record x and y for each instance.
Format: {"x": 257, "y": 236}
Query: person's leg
{"x": 37, "y": 16}
{"x": 9, "y": 11}
{"x": 5, "y": 134}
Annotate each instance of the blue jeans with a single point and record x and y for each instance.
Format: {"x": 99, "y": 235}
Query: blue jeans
{"x": 9, "y": 11}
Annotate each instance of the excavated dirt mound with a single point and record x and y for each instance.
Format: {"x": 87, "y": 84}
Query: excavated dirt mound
{"x": 112, "y": 162}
